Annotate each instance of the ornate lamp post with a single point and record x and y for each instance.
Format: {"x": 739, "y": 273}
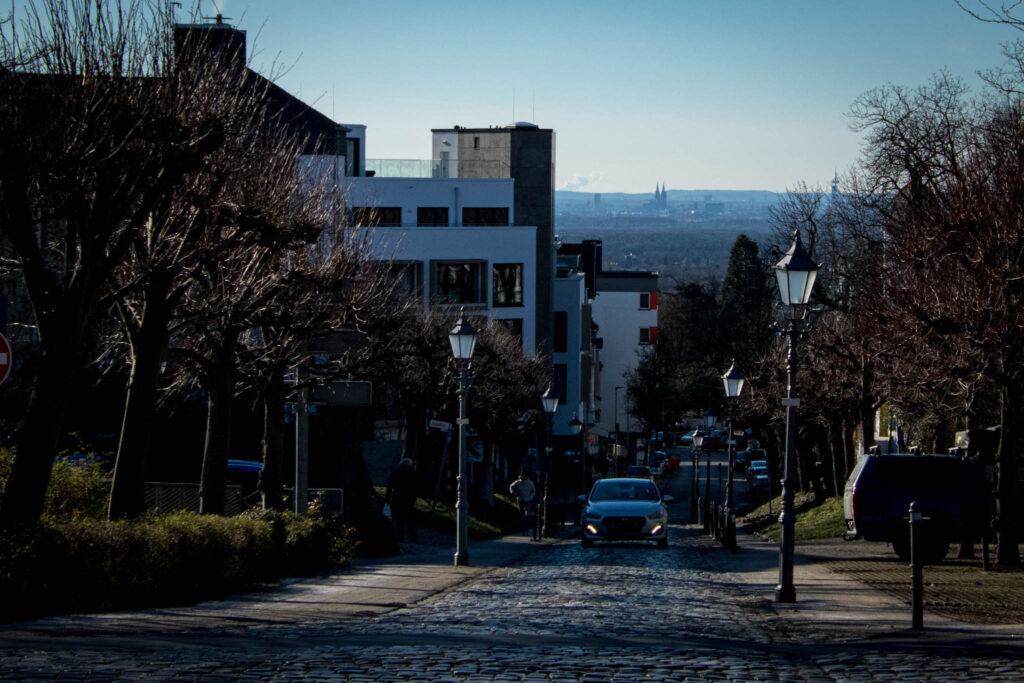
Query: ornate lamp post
{"x": 615, "y": 417}
{"x": 575, "y": 427}
{"x": 795, "y": 274}
{"x": 733, "y": 380}
{"x": 463, "y": 341}
{"x": 698, "y": 439}
{"x": 709, "y": 422}
{"x": 550, "y": 402}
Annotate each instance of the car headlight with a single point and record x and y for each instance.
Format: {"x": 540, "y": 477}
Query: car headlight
{"x": 593, "y": 515}
{"x": 656, "y": 516}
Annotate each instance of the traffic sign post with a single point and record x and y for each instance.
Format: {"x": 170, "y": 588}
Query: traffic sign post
{"x": 6, "y": 359}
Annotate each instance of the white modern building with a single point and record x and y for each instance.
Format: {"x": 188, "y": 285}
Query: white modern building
{"x": 624, "y": 311}
{"x": 453, "y": 242}
{"x": 572, "y": 359}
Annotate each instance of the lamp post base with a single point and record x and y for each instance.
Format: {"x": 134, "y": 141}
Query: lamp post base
{"x": 785, "y": 594}
{"x": 461, "y": 559}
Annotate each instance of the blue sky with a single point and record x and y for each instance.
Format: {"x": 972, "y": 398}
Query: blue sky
{"x": 701, "y": 94}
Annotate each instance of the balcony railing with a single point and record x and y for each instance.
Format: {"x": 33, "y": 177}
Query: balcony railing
{"x": 436, "y": 168}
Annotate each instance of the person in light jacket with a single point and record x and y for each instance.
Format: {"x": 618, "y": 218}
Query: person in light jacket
{"x": 526, "y": 493}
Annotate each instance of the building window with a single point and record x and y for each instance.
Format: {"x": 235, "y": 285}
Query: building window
{"x": 460, "y": 282}
{"x": 408, "y": 277}
{"x": 377, "y": 216}
{"x": 476, "y": 142}
{"x": 645, "y": 335}
{"x": 561, "y": 340}
{"x": 561, "y": 376}
{"x": 645, "y": 301}
{"x": 515, "y": 328}
{"x": 432, "y": 216}
{"x": 352, "y": 157}
{"x": 507, "y": 284}
{"x": 485, "y": 215}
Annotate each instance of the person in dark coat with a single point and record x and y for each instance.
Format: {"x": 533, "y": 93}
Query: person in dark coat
{"x": 401, "y": 495}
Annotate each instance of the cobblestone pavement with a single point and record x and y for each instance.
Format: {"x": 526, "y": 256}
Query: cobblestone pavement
{"x": 609, "y": 613}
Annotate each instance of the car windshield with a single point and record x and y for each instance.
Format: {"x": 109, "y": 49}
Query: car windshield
{"x": 624, "y": 490}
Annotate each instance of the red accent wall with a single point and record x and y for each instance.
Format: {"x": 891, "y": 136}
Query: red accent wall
{"x": 654, "y": 301}
{"x": 654, "y": 335}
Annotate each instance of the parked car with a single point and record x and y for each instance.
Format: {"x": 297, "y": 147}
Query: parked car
{"x": 673, "y": 462}
{"x": 745, "y": 458}
{"x": 757, "y": 468}
{"x": 739, "y": 461}
{"x": 639, "y": 472}
{"x": 624, "y": 510}
{"x": 715, "y": 441}
{"x": 950, "y": 492}
{"x": 760, "y": 484}
{"x": 687, "y": 438}
{"x": 658, "y": 461}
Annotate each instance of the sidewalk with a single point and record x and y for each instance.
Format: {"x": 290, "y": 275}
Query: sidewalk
{"x": 367, "y": 587}
{"x": 833, "y": 606}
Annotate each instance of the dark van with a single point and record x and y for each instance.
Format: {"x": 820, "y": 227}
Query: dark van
{"x": 951, "y": 493}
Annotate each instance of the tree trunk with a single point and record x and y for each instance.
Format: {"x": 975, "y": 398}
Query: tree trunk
{"x": 1005, "y": 522}
{"x": 37, "y": 444}
{"x": 271, "y": 476}
{"x": 220, "y": 394}
{"x": 414, "y": 414}
{"x": 828, "y": 461}
{"x": 148, "y": 345}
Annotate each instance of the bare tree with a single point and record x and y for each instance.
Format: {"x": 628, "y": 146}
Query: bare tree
{"x": 948, "y": 175}
{"x": 91, "y": 152}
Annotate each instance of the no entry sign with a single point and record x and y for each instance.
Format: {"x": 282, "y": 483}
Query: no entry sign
{"x": 5, "y": 358}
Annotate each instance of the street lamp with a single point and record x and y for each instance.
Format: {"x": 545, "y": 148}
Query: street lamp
{"x": 695, "y": 445}
{"x": 550, "y": 402}
{"x": 733, "y": 380}
{"x": 463, "y": 340}
{"x": 795, "y": 274}
{"x": 616, "y": 416}
{"x": 709, "y": 422}
{"x": 575, "y": 427}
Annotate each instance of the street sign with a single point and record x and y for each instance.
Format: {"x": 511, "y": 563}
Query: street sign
{"x": 6, "y": 359}
{"x": 439, "y": 424}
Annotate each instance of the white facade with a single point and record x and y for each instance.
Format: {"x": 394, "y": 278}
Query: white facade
{"x": 628, "y": 321}
{"x": 426, "y": 252}
{"x": 569, "y": 364}
{"x": 412, "y": 193}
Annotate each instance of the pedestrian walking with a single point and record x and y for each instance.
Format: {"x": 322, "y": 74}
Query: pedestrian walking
{"x": 401, "y": 495}
{"x": 526, "y": 493}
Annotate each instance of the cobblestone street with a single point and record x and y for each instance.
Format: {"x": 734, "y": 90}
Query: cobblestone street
{"x": 609, "y": 613}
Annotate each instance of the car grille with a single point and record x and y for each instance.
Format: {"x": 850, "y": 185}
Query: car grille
{"x": 624, "y": 524}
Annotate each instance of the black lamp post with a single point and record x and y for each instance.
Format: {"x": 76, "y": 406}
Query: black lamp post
{"x": 709, "y": 422}
{"x": 463, "y": 340}
{"x": 575, "y": 427}
{"x": 698, "y": 439}
{"x": 795, "y": 274}
{"x": 733, "y": 380}
{"x": 550, "y": 402}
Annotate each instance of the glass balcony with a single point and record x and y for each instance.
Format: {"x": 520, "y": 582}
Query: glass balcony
{"x": 436, "y": 168}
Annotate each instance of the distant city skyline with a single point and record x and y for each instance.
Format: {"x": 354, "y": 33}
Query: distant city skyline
{"x": 738, "y": 94}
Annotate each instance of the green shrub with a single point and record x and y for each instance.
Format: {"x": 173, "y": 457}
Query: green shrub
{"x": 77, "y": 489}
{"x": 82, "y": 564}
